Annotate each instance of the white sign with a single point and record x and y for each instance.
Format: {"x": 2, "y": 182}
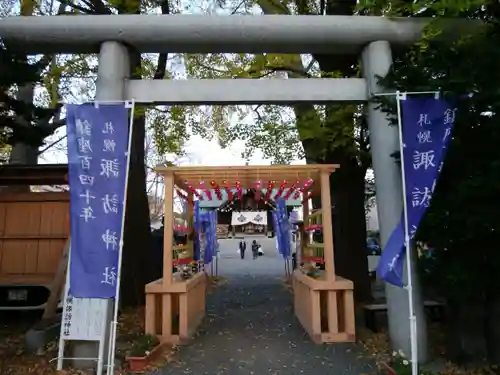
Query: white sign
{"x": 245, "y": 217}
{"x": 84, "y": 319}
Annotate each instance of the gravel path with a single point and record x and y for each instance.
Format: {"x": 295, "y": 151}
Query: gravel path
{"x": 250, "y": 328}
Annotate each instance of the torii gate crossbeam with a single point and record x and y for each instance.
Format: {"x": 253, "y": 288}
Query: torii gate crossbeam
{"x": 209, "y": 34}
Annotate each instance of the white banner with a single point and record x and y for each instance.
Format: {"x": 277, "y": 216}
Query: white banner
{"x": 245, "y": 217}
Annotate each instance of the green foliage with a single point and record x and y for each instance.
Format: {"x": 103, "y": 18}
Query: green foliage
{"x": 143, "y": 344}
{"x": 463, "y": 222}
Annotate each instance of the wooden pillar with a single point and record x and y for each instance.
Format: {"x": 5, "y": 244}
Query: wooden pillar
{"x": 190, "y": 207}
{"x": 326, "y": 211}
{"x": 168, "y": 238}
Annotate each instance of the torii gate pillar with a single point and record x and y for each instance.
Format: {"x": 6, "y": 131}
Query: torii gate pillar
{"x": 384, "y": 140}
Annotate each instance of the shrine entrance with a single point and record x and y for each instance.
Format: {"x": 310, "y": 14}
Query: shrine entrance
{"x": 323, "y": 301}
{"x": 247, "y": 211}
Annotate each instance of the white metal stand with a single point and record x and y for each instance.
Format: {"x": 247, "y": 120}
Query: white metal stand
{"x": 112, "y": 337}
{"x": 409, "y": 287}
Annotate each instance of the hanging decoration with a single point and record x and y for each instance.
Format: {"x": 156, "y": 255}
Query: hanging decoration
{"x": 304, "y": 188}
{"x": 313, "y": 227}
{"x": 228, "y": 190}
{"x": 239, "y": 190}
{"x": 280, "y": 190}
{"x": 193, "y": 190}
{"x": 291, "y": 190}
{"x": 258, "y": 192}
{"x": 270, "y": 187}
{"x": 181, "y": 228}
{"x": 181, "y": 194}
{"x": 207, "y": 191}
{"x": 308, "y": 196}
{"x": 216, "y": 187}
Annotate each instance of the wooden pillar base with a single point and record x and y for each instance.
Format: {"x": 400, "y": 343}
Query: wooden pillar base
{"x": 174, "y": 311}
{"x": 324, "y": 308}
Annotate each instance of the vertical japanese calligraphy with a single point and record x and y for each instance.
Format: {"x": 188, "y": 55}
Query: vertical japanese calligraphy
{"x": 426, "y": 124}
{"x": 98, "y": 138}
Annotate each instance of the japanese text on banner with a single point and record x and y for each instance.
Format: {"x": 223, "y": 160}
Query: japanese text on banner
{"x": 97, "y": 153}
{"x": 427, "y": 124}
{"x": 426, "y": 137}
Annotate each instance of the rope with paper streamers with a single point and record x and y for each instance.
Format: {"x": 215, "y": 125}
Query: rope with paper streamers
{"x": 304, "y": 188}
{"x": 216, "y": 187}
{"x": 239, "y": 190}
{"x": 181, "y": 194}
{"x": 280, "y": 190}
{"x": 258, "y": 192}
{"x": 228, "y": 190}
{"x": 291, "y": 190}
{"x": 193, "y": 190}
{"x": 207, "y": 191}
{"x": 270, "y": 187}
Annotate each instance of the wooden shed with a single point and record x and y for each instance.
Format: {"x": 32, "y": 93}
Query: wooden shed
{"x": 34, "y": 228}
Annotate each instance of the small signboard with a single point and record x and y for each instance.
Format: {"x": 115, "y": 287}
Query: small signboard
{"x": 84, "y": 319}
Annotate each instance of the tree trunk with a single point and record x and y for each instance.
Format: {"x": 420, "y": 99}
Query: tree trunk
{"x": 347, "y": 187}
{"x": 22, "y": 153}
{"x": 136, "y": 262}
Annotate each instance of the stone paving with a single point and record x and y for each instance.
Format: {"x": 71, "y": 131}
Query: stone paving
{"x": 250, "y": 328}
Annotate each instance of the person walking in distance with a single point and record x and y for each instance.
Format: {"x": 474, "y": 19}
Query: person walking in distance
{"x": 255, "y": 249}
{"x": 243, "y": 247}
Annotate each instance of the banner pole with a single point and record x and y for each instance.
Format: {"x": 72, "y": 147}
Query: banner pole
{"x": 114, "y": 322}
{"x": 409, "y": 287}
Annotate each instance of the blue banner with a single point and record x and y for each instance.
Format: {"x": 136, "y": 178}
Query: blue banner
{"x": 197, "y": 231}
{"x": 98, "y": 139}
{"x": 284, "y": 227}
{"x": 277, "y": 231}
{"x": 211, "y": 237}
{"x": 427, "y": 123}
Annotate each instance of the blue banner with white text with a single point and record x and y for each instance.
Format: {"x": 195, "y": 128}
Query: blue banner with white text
{"x": 427, "y": 123}
{"x": 98, "y": 138}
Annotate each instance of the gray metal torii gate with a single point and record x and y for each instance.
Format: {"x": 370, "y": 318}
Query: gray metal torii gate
{"x": 370, "y": 37}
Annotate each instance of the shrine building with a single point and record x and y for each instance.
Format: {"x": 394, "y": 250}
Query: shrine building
{"x": 250, "y": 213}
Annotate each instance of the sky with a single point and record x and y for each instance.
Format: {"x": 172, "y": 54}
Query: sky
{"x": 199, "y": 152}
